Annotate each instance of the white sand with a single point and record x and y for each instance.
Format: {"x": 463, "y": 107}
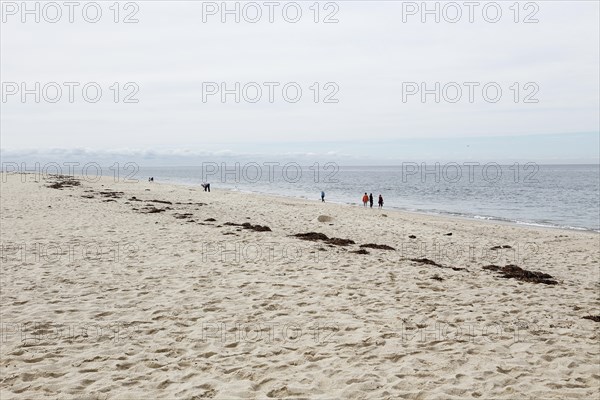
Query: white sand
{"x": 164, "y": 312}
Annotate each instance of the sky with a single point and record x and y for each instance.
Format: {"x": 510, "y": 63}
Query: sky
{"x": 365, "y": 82}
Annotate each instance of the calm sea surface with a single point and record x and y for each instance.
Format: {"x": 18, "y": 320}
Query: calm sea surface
{"x": 565, "y": 196}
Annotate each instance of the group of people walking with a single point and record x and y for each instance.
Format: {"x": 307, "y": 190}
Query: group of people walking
{"x": 368, "y": 199}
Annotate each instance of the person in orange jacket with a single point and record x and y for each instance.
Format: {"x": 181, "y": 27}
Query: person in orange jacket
{"x": 365, "y": 199}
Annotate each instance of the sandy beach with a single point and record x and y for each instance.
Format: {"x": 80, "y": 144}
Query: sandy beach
{"x": 125, "y": 290}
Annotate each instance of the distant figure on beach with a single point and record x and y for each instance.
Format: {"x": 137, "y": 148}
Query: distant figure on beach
{"x": 323, "y": 196}
{"x": 380, "y": 201}
{"x": 371, "y": 200}
{"x": 206, "y": 187}
{"x": 151, "y": 179}
{"x": 365, "y": 199}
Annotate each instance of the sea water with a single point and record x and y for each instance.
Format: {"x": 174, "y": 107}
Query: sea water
{"x": 562, "y": 196}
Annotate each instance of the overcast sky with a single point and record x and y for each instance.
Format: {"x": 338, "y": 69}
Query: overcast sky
{"x": 370, "y": 59}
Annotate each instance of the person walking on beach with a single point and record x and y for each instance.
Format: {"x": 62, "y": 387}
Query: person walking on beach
{"x": 371, "y": 200}
{"x": 206, "y": 187}
{"x": 323, "y": 196}
{"x": 365, "y": 199}
{"x": 380, "y": 201}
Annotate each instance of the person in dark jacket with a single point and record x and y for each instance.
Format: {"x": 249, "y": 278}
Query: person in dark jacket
{"x": 380, "y": 201}
{"x": 371, "y": 199}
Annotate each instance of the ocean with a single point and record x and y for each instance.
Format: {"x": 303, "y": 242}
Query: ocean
{"x": 561, "y": 196}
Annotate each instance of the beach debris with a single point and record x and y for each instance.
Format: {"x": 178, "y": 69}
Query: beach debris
{"x": 63, "y": 181}
{"x": 505, "y": 246}
{"x": 437, "y": 277}
{"x": 107, "y": 200}
{"x": 209, "y": 220}
{"x": 248, "y": 225}
{"x": 448, "y": 234}
{"x": 133, "y": 198}
{"x": 515, "y": 272}
{"x": 426, "y": 261}
{"x": 183, "y": 216}
{"x": 312, "y": 236}
{"x": 87, "y": 196}
{"x": 152, "y": 210}
{"x": 111, "y": 194}
{"x": 159, "y": 201}
{"x": 340, "y": 242}
{"x": 361, "y": 251}
{"x": 324, "y": 218}
{"x": 377, "y": 246}
{"x": 412, "y": 237}
{"x": 595, "y": 318}
{"x": 315, "y": 236}
{"x": 256, "y": 228}
{"x": 431, "y": 262}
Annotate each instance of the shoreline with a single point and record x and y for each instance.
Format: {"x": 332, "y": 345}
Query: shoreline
{"x": 443, "y": 215}
{"x": 490, "y": 220}
{"x": 440, "y": 214}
